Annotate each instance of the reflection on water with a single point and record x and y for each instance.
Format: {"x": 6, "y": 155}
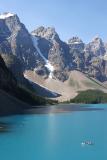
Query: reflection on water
{"x": 7, "y": 124}
{"x": 64, "y": 108}
{"x": 4, "y": 127}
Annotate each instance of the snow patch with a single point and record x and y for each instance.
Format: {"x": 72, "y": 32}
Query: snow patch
{"x": 105, "y": 57}
{"x": 48, "y": 64}
{"x": 35, "y": 43}
{"x": 75, "y": 42}
{"x": 6, "y": 15}
{"x": 50, "y": 68}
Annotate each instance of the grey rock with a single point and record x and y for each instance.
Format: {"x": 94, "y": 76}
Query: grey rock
{"x": 53, "y": 49}
{"x": 16, "y": 40}
{"x": 20, "y": 53}
{"x": 96, "y": 47}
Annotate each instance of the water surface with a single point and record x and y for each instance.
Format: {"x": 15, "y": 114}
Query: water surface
{"x": 56, "y": 136}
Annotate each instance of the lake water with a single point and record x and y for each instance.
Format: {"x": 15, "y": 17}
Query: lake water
{"x": 56, "y": 136}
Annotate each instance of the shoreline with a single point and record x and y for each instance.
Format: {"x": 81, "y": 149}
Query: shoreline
{"x": 61, "y": 108}
{"x": 56, "y": 108}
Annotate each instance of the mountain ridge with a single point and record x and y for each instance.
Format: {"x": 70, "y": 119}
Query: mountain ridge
{"x": 43, "y": 53}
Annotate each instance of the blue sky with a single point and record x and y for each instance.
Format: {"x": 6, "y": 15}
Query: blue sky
{"x": 83, "y": 18}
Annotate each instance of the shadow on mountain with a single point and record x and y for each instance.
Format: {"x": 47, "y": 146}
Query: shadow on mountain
{"x": 44, "y": 92}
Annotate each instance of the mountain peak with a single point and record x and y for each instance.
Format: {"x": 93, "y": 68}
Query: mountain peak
{"x": 75, "y": 40}
{"x": 6, "y": 15}
{"x": 48, "y": 33}
{"x": 97, "y": 39}
{"x": 96, "y": 46}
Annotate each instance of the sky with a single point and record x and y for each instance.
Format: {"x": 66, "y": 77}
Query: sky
{"x": 83, "y": 18}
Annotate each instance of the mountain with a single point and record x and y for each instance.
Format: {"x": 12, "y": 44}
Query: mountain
{"x": 44, "y": 52}
{"x": 97, "y": 64}
{"x": 96, "y": 47}
{"x": 8, "y": 88}
{"x": 15, "y": 98}
{"x": 18, "y": 50}
{"x": 68, "y": 89}
{"x": 7, "y": 80}
{"x": 76, "y": 51}
{"x": 16, "y": 41}
{"x": 54, "y": 51}
{"x": 75, "y": 54}
{"x": 89, "y": 58}
{"x": 42, "y": 55}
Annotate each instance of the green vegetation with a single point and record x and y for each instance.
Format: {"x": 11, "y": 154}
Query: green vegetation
{"x": 31, "y": 98}
{"x": 90, "y": 97}
{"x": 22, "y": 89}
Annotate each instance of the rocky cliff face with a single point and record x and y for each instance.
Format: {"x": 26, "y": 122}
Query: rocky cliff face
{"x": 46, "y": 54}
{"x": 89, "y": 58}
{"x": 14, "y": 98}
{"x": 54, "y": 50}
{"x": 8, "y": 91}
{"x": 96, "y": 47}
{"x": 76, "y": 51}
{"x": 15, "y": 40}
{"x": 7, "y": 80}
{"x": 97, "y": 64}
{"x": 75, "y": 54}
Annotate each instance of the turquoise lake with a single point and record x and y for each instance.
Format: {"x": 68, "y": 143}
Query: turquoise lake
{"x": 56, "y": 136}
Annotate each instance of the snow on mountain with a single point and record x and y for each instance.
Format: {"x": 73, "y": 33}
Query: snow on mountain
{"x": 105, "y": 57}
{"x": 50, "y": 68}
{"x": 6, "y": 15}
{"x": 48, "y": 64}
{"x": 75, "y": 40}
